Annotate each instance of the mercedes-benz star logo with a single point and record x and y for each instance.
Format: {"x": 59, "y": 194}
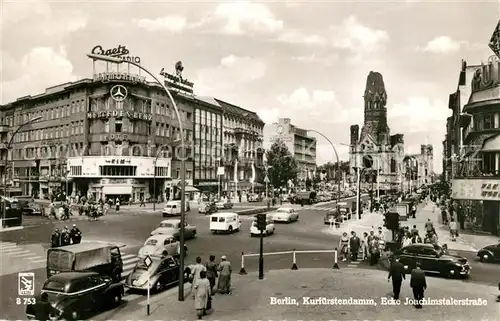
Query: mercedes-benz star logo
{"x": 118, "y": 93}
{"x": 279, "y": 129}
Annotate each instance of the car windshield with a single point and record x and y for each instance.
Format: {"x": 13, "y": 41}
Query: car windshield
{"x": 168, "y": 225}
{"x": 54, "y": 286}
{"x": 151, "y": 242}
{"x": 283, "y": 210}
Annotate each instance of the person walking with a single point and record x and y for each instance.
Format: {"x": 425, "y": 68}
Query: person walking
{"x": 344, "y": 246}
{"x": 65, "y": 237}
{"x": 444, "y": 216}
{"x": 56, "y": 238}
{"x": 224, "y": 276}
{"x": 416, "y": 239}
{"x": 429, "y": 227}
{"x": 354, "y": 244}
{"x": 364, "y": 246}
{"x": 202, "y": 295}
{"x": 453, "y": 229}
{"x": 211, "y": 267}
{"x": 397, "y": 274}
{"x": 374, "y": 251}
{"x": 418, "y": 284}
{"x": 414, "y": 231}
{"x": 195, "y": 273}
{"x": 117, "y": 204}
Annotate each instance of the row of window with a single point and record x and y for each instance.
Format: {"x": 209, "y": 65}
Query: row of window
{"x": 233, "y": 123}
{"x": 117, "y": 170}
{"x": 46, "y": 114}
{"x": 75, "y": 128}
{"x": 207, "y": 118}
{"x": 486, "y": 121}
{"x": 48, "y": 152}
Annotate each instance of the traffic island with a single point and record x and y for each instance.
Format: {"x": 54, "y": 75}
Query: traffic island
{"x": 326, "y": 294}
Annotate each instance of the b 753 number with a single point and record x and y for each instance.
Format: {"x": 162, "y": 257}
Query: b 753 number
{"x": 25, "y": 301}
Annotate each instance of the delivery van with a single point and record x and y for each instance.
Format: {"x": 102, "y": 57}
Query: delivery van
{"x": 225, "y": 222}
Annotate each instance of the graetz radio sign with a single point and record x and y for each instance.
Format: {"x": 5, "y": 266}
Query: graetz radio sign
{"x": 118, "y": 52}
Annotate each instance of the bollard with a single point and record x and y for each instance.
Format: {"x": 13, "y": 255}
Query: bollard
{"x": 242, "y": 270}
{"x": 294, "y": 258}
{"x": 335, "y": 260}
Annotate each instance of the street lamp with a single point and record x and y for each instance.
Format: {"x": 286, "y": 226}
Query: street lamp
{"x": 338, "y": 162}
{"x": 183, "y": 163}
{"x": 9, "y": 145}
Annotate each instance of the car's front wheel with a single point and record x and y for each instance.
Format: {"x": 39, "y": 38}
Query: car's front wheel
{"x": 485, "y": 257}
{"x": 116, "y": 299}
{"x": 158, "y": 287}
{"x": 453, "y": 273}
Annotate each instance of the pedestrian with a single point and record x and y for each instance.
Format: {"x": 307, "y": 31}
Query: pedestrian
{"x": 414, "y": 231}
{"x": 374, "y": 251}
{"x": 416, "y": 239}
{"x": 344, "y": 246}
{"x": 429, "y": 227}
{"x": 65, "y": 237}
{"x": 117, "y": 204}
{"x": 444, "y": 216}
{"x": 75, "y": 234}
{"x": 380, "y": 234}
{"x": 453, "y": 229}
{"x": 364, "y": 246}
{"x": 354, "y": 245}
{"x": 211, "y": 267}
{"x": 413, "y": 211}
{"x": 397, "y": 274}
{"x": 56, "y": 238}
{"x": 195, "y": 272}
{"x": 106, "y": 208}
{"x": 418, "y": 284}
{"x": 142, "y": 202}
{"x": 224, "y": 276}
{"x": 201, "y": 295}
{"x": 406, "y": 239}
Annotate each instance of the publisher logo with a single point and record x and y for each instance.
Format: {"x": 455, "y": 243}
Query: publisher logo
{"x": 26, "y": 283}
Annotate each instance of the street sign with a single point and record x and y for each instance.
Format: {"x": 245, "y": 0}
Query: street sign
{"x": 495, "y": 40}
{"x": 148, "y": 261}
{"x": 266, "y": 179}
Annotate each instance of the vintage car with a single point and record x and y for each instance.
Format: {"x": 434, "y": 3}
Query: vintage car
{"x": 161, "y": 245}
{"x": 162, "y": 273}
{"x": 224, "y": 204}
{"x": 270, "y": 228}
{"x": 285, "y": 215}
{"x": 305, "y": 198}
{"x": 33, "y": 209}
{"x": 254, "y": 198}
{"x": 207, "y": 208}
{"x": 333, "y": 216}
{"x": 78, "y": 295}
{"x": 172, "y": 227}
{"x": 433, "y": 259}
{"x": 490, "y": 253}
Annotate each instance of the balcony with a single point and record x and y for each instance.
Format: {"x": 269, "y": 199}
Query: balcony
{"x": 4, "y": 129}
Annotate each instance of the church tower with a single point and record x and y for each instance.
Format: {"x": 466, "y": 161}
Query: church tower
{"x": 375, "y": 111}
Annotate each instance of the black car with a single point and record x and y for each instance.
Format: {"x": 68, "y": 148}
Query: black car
{"x": 76, "y": 295}
{"x": 490, "y": 253}
{"x": 161, "y": 273}
{"x": 433, "y": 259}
{"x": 32, "y": 209}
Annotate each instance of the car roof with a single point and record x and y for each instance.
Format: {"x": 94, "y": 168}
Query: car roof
{"x": 85, "y": 247}
{"x": 160, "y": 237}
{"x": 69, "y": 276}
{"x": 225, "y": 214}
{"x": 286, "y": 208}
{"x": 171, "y": 221}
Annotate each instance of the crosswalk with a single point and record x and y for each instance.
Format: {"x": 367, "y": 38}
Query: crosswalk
{"x": 15, "y": 258}
{"x": 129, "y": 262}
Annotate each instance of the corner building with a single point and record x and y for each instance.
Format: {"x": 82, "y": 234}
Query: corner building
{"x": 91, "y": 144}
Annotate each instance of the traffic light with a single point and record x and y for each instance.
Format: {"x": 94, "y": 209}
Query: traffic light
{"x": 391, "y": 220}
{"x": 261, "y": 222}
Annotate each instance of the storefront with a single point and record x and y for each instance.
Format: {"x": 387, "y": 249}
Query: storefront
{"x": 477, "y": 203}
{"x": 207, "y": 186}
{"x": 128, "y": 178}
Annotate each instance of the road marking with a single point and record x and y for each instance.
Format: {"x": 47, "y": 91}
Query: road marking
{"x": 25, "y": 255}
{"x": 7, "y": 245}
{"x": 16, "y": 252}
{"x": 38, "y": 261}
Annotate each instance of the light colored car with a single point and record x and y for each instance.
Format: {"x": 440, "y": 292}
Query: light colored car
{"x": 161, "y": 245}
{"x": 172, "y": 227}
{"x": 224, "y": 204}
{"x": 270, "y": 228}
{"x": 285, "y": 215}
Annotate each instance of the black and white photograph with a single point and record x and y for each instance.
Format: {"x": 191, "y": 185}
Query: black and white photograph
{"x": 245, "y": 160}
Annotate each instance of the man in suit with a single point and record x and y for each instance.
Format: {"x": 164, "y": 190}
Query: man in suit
{"x": 396, "y": 272}
{"x": 354, "y": 245}
{"x": 418, "y": 285}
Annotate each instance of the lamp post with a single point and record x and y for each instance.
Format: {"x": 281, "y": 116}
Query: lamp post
{"x": 182, "y": 158}
{"x": 9, "y": 145}
{"x": 266, "y": 179}
{"x": 338, "y": 162}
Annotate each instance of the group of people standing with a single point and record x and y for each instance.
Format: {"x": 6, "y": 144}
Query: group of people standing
{"x": 204, "y": 279}
{"x": 370, "y": 246}
{"x": 66, "y": 236}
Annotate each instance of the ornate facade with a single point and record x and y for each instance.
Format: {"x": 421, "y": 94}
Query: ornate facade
{"x": 375, "y": 140}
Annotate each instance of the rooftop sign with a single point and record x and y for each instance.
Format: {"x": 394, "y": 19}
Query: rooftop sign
{"x": 118, "y": 52}
{"x": 176, "y": 81}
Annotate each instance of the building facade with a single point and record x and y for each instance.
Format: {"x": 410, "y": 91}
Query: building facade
{"x": 476, "y": 182}
{"x": 386, "y": 150}
{"x": 419, "y": 168}
{"x": 242, "y": 167}
{"x": 301, "y": 146}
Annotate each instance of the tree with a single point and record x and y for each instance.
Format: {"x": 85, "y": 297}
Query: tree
{"x": 283, "y": 166}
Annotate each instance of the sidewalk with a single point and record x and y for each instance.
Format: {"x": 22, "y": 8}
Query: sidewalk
{"x": 368, "y": 221}
{"x": 276, "y": 298}
{"x": 465, "y": 242}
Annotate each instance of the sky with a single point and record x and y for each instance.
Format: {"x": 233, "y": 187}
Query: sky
{"x": 303, "y": 60}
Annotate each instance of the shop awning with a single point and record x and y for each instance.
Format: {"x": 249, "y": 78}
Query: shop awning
{"x": 191, "y": 189}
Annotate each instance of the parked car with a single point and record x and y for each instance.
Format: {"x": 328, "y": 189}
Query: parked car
{"x": 161, "y": 245}
{"x": 433, "y": 259}
{"x": 255, "y": 198}
{"x": 173, "y": 227}
{"x": 33, "y": 209}
{"x": 224, "y": 204}
{"x": 285, "y": 215}
{"x": 78, "y": 295}
{"x": 490, "y": 253}
{"x": 162, "y": 273}
{"x": 207, "y": 208}
{"x": 270, "y": 228}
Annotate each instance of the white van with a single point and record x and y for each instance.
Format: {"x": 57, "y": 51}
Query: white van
{"x": 173, "y": 208}
{"x": 225, "y": 222}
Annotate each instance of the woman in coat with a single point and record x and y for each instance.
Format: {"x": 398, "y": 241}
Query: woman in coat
{"x": 202, "y": 295}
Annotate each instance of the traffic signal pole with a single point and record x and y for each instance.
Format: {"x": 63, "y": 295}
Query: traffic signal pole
{"x": 261, "y": 256}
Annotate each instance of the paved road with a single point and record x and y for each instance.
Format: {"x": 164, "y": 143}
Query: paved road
{"x": 131, "y": 231}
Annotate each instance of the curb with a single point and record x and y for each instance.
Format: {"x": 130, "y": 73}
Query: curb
{"x": 8, "y": 229}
